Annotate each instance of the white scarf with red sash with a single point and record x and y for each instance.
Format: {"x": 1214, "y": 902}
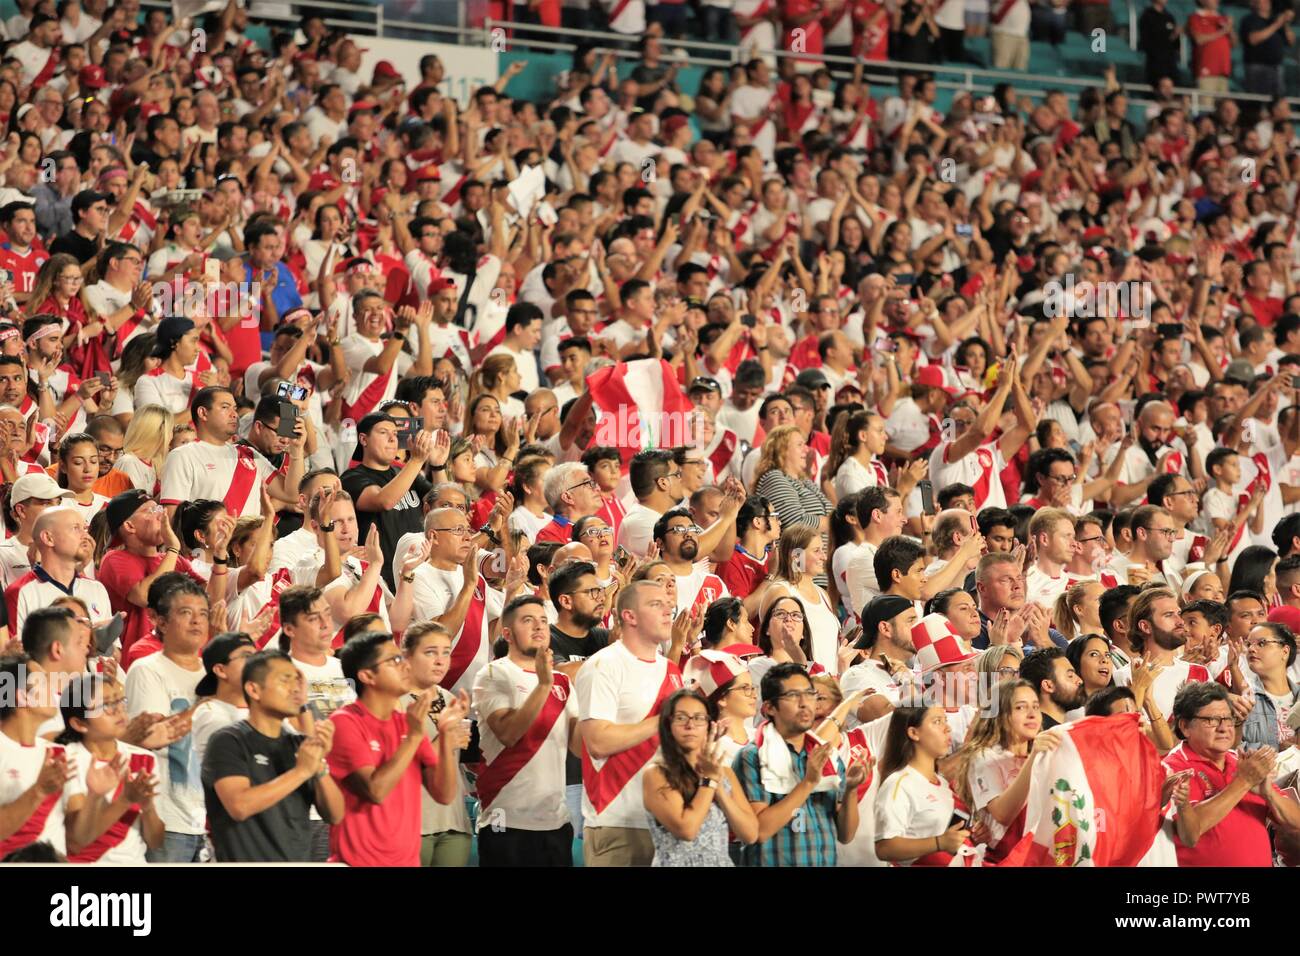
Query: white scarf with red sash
{"x": 605, "y": 783}
{"x": 507, "y": 764}
{"x": 777, "y": 770}
{"x": 470, "y": 638}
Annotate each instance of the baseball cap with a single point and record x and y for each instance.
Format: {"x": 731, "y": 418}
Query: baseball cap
{"x": 37, "y": 485}
{"x": 217, "y": 652}
{"x": 883, "y": 607}
{"x": 371, "y": 420}
{"x": 91, "y": 77}
{"x": 225, "y": 254}
{"x": 170, "y": 331}
{"x": 1240, "y": 369}
{"x": 120, "y": 508}
{"x": 932, "y": 375}
{"x": 704, "y": 383}
{"x": 386, "y": 71}
{"x": 362, "y": 106}
{"x": 812, "y": 378}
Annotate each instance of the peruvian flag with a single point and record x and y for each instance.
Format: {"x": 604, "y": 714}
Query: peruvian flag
{"x": 1095, "y": 800}
{"x": 639, "y": 405}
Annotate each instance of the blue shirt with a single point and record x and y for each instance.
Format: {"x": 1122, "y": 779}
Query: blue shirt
{"x": 809, "y": 838}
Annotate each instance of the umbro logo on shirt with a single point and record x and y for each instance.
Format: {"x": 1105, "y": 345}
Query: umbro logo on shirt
{"x": 374, "y": 745}
{"x": 261, "y": 760}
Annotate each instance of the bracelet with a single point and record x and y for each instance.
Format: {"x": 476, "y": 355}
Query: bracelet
{"x": 438, "y": 467}
{"x": 217, "y": 560}
{"x": 175, "y": 551}
{"x": 219, "y": 569}
{"x": 760, "y": 348}
{"x": 710, "y": 783}
{"x": 327, "y": 527}
{"x": 408, "y": 578}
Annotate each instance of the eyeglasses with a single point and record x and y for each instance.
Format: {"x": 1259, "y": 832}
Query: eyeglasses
{"x": 1215, "y": 722}
{"x": 684, "y": 529}
{"x": 112, "y": 706}
{"x": 1171, "y": 532}
{"x": 794, "y": 616}
{"x": 798, "y": 695}
{"x": 1062, "y": 479}
{"x": 749, "y": 690}
{"x": 582, "y": 484}
{"x": 674, "y": 474}
{"x": 1250, "y": 645}
{"x": 690, "y": 720}
{"x": 598, "y": 533}
{"x": 593, "y": 593}
{"x": 1008, "y": 671}
{"x": 1088, "y": 540}
{"x": 1176, "y": 494}
{"x": 395, "y": 659}
{"x": 458, "y": 532}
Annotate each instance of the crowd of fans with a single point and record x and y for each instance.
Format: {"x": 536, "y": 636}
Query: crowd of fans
{"x": 324, "y": 539}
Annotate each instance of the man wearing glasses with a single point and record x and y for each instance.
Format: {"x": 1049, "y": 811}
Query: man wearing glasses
{"x": 1154, "y": 531}
{"x": 1176, "y": 495}
{"x": 120, "y": 298}
{"x": 90, "y": 219}
{"x": 678, "y": 537}
{"x": 794, "y": 783}
{"x": 571, "y": 495}
{"x": 1221, "y": 818}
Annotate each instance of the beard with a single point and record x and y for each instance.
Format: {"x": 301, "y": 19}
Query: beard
{"x": 689, "y": 550}
{"x": 529, "y": 651}
{"x": 1169, "y": 640}
{"x": 584, "y": 620}
{"x": 1069, "y": 701}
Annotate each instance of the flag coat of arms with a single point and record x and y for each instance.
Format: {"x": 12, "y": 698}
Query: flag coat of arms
{"x": 639, "y": 405}
{"x": 1095, "y": 800}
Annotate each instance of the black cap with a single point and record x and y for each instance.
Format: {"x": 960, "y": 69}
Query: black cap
{"x": 371, "y": 420}
{"x": 883, "y": 607}
{"x": 121, "y": 507}
{"x": 704, "y": 383}
{"x": 217, "y": 652}
{"x": 812, "y": 378}
{"x": 87, "y": 198}
{"x": 170, "y": 331}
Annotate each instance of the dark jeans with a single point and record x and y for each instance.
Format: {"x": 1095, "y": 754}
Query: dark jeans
{"x": 952, "y": 47}
{"x": 1048, "y": 25}
{"x": 526, "y": 847}
{"x": 716, "y": 25}
{"x": 672, "y": 16}
{"x": 1264, "y": 78}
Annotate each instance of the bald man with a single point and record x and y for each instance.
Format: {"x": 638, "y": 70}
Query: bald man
{"x": 62, "y": 542}
{"x": 951, "y": 528}
{"x": 1155, "y": 450}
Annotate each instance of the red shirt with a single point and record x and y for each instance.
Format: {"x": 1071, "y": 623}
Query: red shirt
{"x": 120, "y": 571}
{"x": 1240, "y": 838}
{"x": 558, "y": 529}
{"x": 23, "y": 268}
{"x": 741, "y": 573}
{"x": 1213, "y": 58}
{"x": 376, "y": 834}
{"x": 1267, "y": 310}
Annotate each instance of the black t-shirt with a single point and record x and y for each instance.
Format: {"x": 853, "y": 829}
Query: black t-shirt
{"x": 404, "y": 517}
{"x": 280, "y": 833}
{"x": 75, "y": 244}
{"x": 567, "y": 650}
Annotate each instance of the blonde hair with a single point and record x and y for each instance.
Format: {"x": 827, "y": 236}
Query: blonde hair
{"x": 794, "y": 540}
{"x": 829, "y": 684}
{"x": 775, "y": 446}
{"x": 489, "y": 375}
{"x": 149, "y": 435}
{"x": 1064, "y": 617}
{"x": 991, "y": 730}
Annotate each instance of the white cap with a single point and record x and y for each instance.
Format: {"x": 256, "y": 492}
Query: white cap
{"x": 37, "y": 485}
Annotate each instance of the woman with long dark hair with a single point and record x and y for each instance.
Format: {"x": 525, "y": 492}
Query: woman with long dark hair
{"x": 78, "y": 470}
{"x": 915, "y": 803}
{"x": 691, "y": 796}
{"x": 1254, "y": 571}
{"x": 784, "y": 635}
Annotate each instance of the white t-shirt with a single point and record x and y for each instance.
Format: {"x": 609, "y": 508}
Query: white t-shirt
{"x": 525, "y": 363}
{"x": 909, "y": 805}
{"x": 616, "y": 685}
{"x": 980, "y": 469}
{"x": 36, "y": 593}
{"x": 357, "y": 350}
{"x": 992, "y": 771}
{"x": 209, "y": 717}
{"x": 1042, "y": 589}
{"x": 1167, "y": 683}
{"x": 130, "y": 850}
{"x": 19, "y": 768}
{"x": 907, "y": 426}
{"x": 860, "y": 577}
{"x": 438, "y": 817}
{"x": 156, "y": 685}
{"x": 327, "y": 688}
{"x": 160, "y": 387}
{"x": 534, "y": 797}
{"x": 201, "y": 470}
{"x": 435, "y": 591}
{"x": 861, "y": 850}
{"x": 853, "y": 476}
{"x": 636, "y": 532}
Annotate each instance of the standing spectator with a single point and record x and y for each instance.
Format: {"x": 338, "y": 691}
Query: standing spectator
{"x": 1093, "y": 15}
{"x": 804, "y": 796}
{"x": 1221, "y": 811}
{"x": 1009, "y": 28}
{"x": 165, "y": 683}
{"x": 381, "y": 782}
{"x": 1265, "y": 38}
{"x": 1158, "y": 34}
{"x": 260, "y": 780}
{"x": 1212, "y": 37}
{"x": 528, "y": 713}
{"x": 620, "y": 690}
{"x": 916, "y": 35}
{"x": 693, "y": 797}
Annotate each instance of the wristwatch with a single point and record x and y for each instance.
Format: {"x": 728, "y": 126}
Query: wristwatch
{"x": 710, "y": 783}
{"x": 408, "y": 578}
{"x": 327, "y": 527}
{"x": 491, "y": 535}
